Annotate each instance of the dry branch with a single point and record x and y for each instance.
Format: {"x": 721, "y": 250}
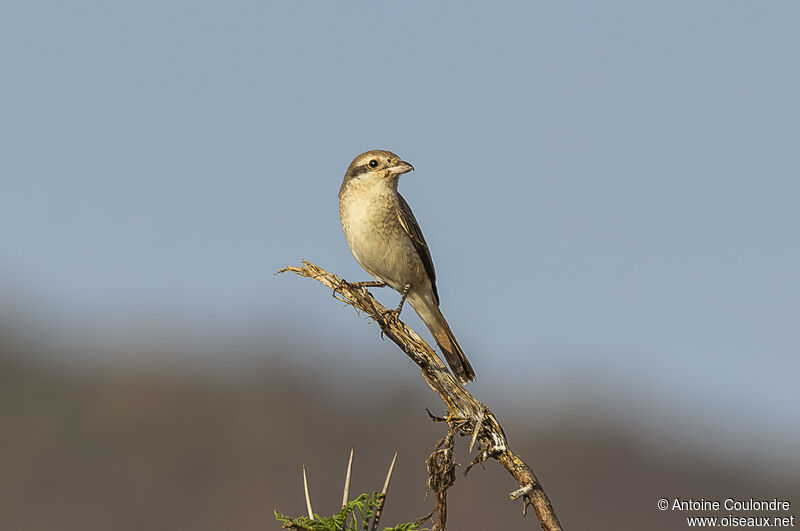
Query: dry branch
{"x": 466, "y": 413}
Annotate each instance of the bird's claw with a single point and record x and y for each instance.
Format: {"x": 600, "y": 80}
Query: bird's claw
{"x": 391, "y": 315}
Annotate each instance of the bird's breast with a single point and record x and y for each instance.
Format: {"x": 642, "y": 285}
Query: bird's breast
{"x": 376, "y": 238}
{"x": 368, "y": 216}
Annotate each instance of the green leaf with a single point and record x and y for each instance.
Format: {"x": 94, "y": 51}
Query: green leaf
{"x": 362, "y": 508}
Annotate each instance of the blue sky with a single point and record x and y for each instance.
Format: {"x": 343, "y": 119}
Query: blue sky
{"x": 609, "y": 190}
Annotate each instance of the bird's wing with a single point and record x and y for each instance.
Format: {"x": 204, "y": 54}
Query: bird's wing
{"x": 410, "y": 225}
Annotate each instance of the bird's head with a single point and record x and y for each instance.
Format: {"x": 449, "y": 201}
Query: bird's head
{"x": 376, "y": 166}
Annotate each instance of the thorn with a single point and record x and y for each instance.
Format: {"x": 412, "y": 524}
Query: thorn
{"x": 389, "y": 475}
{"x": 346, "y": 494}
{"x": 477, "y": 429}
{"x": 383, "y": 492}
{"x": 308, "y": 496}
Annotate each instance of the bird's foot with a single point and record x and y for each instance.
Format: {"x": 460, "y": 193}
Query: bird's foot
{"x": 392, "y": 315}
{"x": 395, "y": 314}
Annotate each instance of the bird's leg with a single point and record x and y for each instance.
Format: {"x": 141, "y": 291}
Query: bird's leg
{"x": 396, "y": 312}
{"x": 399, "y": 308}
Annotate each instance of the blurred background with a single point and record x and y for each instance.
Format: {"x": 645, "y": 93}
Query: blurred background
{"x": 609, "y": 191}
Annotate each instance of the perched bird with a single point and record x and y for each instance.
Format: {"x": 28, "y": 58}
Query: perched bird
{"x": 386, "y": 240}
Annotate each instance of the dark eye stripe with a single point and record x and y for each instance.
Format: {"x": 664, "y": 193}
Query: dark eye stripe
{"x": 358, "y": 170}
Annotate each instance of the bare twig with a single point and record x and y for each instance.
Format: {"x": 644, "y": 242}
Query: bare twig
{"x": 464, "y": 409}
{"x": 308, "y": 496}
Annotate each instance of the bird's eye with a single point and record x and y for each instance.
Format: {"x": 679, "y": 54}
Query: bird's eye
{"x": 373, "y": 163}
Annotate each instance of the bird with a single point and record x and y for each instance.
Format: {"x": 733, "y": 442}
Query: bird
{"x": 386, "y": 241}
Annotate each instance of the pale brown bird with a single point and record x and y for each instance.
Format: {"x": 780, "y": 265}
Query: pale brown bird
{"x": 386, "y": 240}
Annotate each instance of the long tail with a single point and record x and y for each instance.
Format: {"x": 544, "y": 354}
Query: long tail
{"x": 430, "y": 314}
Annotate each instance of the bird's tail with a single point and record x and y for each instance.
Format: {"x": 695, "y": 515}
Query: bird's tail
{"x": 432, "y": 317}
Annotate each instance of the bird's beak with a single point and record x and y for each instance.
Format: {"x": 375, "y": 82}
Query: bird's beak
{"x": 400, "y": 168}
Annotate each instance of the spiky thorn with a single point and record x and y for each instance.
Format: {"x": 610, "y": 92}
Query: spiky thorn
{"x": 346, "y": 495}
{"x": 477, "y": 429}
{"x": 308, "y": 496}
{"x": 383, "y": 495}
{"x": 389, "y": 475}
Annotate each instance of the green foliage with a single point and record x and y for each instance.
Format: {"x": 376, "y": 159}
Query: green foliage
{"x": 362, "y": 508}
